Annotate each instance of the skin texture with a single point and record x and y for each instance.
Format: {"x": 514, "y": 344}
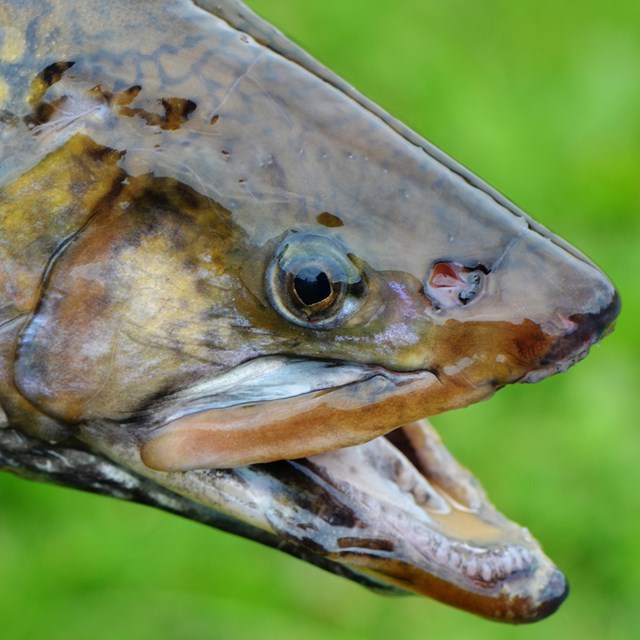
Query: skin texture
{"x": 148, "y": 191}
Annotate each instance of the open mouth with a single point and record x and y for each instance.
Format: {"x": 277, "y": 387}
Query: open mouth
{"x": 397, "y": 512}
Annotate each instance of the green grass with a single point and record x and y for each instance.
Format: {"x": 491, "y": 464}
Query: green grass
{"x": 542, "y": 99}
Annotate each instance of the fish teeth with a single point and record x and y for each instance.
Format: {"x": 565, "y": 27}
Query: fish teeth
{"x": 442, "y": 554}
{"x": 420, "y": 494}
{"x": 508, "y": 561}
{"x": 405, "y": 480}
{"x": 472, "y": 568}
{"x": 486, "y": 571}
{"x": 519, "y": 560}
{"x": 479, "y": 564}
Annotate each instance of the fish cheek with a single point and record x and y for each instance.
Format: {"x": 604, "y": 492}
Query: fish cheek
{"x": 68, "y": 350}
{"x": 122, "y": 314}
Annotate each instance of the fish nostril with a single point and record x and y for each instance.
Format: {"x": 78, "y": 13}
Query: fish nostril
{"x": 451, "y": 284}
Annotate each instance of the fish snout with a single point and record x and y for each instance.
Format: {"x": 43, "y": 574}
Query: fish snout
{"x": 532, "y": 310}
{"x": 583, "y": 330}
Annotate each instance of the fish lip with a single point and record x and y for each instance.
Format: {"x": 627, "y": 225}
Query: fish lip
{"x": 573, "y": 347}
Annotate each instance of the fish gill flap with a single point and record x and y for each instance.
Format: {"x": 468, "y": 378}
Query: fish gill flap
{"x": 126, "y": 304}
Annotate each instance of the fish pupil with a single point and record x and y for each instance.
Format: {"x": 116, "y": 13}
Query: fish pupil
{"x": 312, "y": 286}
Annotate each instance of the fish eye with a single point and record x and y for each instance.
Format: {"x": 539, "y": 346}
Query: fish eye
{"x": 312, "y": 281}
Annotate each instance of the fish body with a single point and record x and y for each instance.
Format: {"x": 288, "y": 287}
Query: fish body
{"x": 216, "y": 254}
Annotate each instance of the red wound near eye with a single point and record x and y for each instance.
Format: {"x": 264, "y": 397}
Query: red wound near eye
{"x": 451, "y": 284}
{"x": 445, "y": 274}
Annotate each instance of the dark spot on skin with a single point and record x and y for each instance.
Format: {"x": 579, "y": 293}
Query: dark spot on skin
{"x": 41, "y": 114}
{"x": 330, "y": 220}
{"x": 6, "y": 117}
{"x": 176, "y": 112}
{"x": 310, "y": 495}
{"x": 214, "y": 119}
{"x": 121, "y": 98}
{"x": 100, "y": 154}
{"x": 157, "y": 198}
{"x": 133, "y": 91}
{"x": 190, "y": 265}
{"x": 188, "y": 195}
{"x": 366, "y": 543}
{"x": 54, "y": 72}
{"x": 224, "y": 152}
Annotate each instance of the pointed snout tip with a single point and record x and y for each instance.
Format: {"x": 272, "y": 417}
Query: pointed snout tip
{"x": 554, "y": 594}
{"x": 583, "y": 329}
{"x": 608, "y": 316}
{"x": 594, "y": 326}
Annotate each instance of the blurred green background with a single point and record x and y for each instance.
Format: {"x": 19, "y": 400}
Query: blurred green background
{"x": 542, "y": 99}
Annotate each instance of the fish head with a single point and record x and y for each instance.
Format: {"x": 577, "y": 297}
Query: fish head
{"x": 270, "y": 243}
{"x": 254, "y": 275}
{"x": 423, "y": 292}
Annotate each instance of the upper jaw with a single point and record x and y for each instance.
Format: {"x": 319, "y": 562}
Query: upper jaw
{"x": 300, "y": 407}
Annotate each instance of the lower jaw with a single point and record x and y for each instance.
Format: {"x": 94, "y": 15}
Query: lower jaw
{"x": 398, "y": 511}
{"x": 439, "y": 537}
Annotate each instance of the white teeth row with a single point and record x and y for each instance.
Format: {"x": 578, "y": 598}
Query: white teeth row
{"x": 411, "y": 481}
{"x": 478, "y": 563}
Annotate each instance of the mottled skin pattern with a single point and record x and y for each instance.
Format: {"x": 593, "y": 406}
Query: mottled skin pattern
{"x": 155, "y": 158}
